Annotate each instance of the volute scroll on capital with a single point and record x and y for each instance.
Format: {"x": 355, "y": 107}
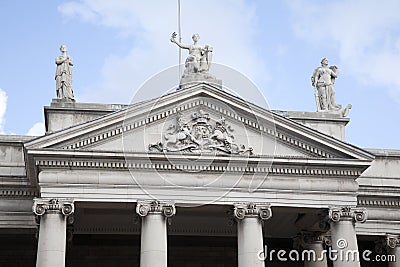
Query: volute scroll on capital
{"x": 63, "y": 206}
{"x": 358, "y": 215}
{"x": 392, "y": 241}
{"x": 144, "y": 207}
{"x": 261, "y": 210}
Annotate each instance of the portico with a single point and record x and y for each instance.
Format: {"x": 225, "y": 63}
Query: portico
{"x": 198, "y": 181}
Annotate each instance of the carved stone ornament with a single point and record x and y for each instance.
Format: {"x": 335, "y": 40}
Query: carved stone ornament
{"x": 338, "y": 213}
{"x": 304, "y": 239}
{"x": 200, "y": 134}
{"x": 43, "y": 206}
{"x": 144, "y": 207}
{"x": 392, "y": 241}
{"x": 261, "y": 210}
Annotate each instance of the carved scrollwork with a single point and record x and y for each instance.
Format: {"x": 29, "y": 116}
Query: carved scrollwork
{"x": 169, "y": 210}
{"x": 67, "y": 209}
{"x": 360, "y": 215}
{"x": 239, "y": 211}
{"x": 144, "y": 207}
{"x": 39, "y": 209}
{"x": 261, "y": 210}
{"x": 334, "y": 214}
{"x": 356, "y": 214}
{"x": 304, "y": 239}
{"x": 43, "y": 206}
{"x": 392, "y": 241}
{"x": 265, "y": 212}
{"x": 328, "y": 240}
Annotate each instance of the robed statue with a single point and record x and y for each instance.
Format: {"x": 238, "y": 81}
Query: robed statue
{"x": 63, "y": 76}
{"x": 199, "y": 58}
{"x": 323, "y": 80}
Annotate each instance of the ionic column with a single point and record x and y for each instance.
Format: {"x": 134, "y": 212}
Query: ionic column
{"x": 343, "y": 234}
{"x": 52, "y": 215}
{"x": 250, "y": 237}
{"x": 393, "y": 244}
{"x": 153, "y": 248}
{"x": 313, "y": 244}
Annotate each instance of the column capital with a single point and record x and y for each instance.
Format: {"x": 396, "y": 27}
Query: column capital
{"x": 261, "y": 210}
{"x": 337, "y": 214}
{"x": 144, "y": 207}
{"x": 306, "y": 238}
{"x": 312, "y": 237}
{"x": 42, "y": 206}
{"x": 392, "y": 241}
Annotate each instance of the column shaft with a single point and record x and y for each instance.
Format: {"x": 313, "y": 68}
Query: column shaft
{"x": 344, "y": 241}
{"x": 320, "y": 257}
{"x": 393, "y": 249}
{"x": 250, "y": 242}
{"x": 343, "y": 233}
{"x": 52, "y": 214}
{"x": 250, "y": 235}
{"x": 52, "y": 241}
{"x": 153, "y": 248}
{"x": 153, "y": 251}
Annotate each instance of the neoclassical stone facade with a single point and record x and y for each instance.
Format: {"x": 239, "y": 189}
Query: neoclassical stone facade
{"x": 198, "y": 177}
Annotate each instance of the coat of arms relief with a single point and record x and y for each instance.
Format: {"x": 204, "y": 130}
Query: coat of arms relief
{"x": 200, "y": 134}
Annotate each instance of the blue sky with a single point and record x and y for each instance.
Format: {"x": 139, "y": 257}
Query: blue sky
{"x": 117, "y": 45}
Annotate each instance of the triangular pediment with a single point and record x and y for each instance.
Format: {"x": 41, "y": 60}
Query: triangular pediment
{"x": 202, "y": 119}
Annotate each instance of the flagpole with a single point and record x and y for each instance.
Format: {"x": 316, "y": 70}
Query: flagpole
{"x": 180, "y": 40}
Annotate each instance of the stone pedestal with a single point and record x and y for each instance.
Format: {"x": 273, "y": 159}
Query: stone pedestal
{"x": 328, "y": 123}
{"x": 250, "y": 236}
{"x": 62, "y": 113}
{"x": 343, "y": 234}
{"x": 153, "y": 248}
{"x": 198, "y": 78}
{"x": 393, "y": 248}
{"x": 52, "y": 215}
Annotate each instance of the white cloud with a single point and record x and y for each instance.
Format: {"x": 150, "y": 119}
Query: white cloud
{"x": 228, "y": 26}
{"x": 3, "y": 107}
{"x": 37, "y": 129}
{"x": 364, "y": 32}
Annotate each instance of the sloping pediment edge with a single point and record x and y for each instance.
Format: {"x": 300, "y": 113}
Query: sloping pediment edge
{"x": 286, "y": 131}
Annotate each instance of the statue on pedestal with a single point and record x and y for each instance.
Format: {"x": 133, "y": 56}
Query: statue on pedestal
{"x": 63, "y": 75}
{"x": 199, "y": 59}
{"x": 323, "y": 79}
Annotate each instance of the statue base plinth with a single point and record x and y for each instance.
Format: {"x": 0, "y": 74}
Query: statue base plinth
{"x": 330, "y": 123}
{"x": 193, "y": 79}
